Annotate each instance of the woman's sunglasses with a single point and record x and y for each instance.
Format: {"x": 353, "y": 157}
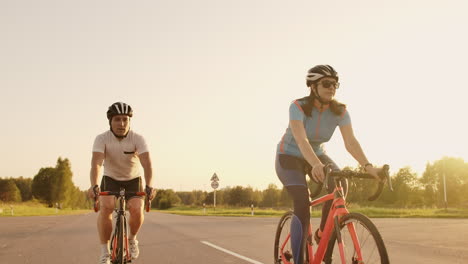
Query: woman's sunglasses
{"x": 328, "y": 84}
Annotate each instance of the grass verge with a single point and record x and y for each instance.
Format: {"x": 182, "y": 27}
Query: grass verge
{"x": 372, "y": 212}
{"x": 34, "y": 209}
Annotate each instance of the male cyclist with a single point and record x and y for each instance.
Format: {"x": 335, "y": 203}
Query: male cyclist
{"x": 121, "y": 151}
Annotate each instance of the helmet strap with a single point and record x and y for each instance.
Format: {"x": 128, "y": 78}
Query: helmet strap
{"x": 317, "y": 96}
{"x": 117, "y": 136}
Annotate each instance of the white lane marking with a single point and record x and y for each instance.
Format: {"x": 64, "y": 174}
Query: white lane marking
{"x": 231, "y": 253}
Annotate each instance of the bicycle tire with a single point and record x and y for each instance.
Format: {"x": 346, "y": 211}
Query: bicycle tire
{"x": 371, "y": 243}
{"x": 120, "y": 242}
{"x": 283, "y": 228}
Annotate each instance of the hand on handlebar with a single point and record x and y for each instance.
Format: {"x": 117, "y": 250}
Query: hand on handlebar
{"x": 375, "y": 172}
{"x": 317, "y": 172}
{"x": 93, "y": 191}
{"x": 150, "y": 192}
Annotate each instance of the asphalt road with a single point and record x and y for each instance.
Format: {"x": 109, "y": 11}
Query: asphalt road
{"x": 168, "y": 238}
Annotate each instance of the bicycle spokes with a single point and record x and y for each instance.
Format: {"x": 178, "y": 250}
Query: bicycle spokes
{"x": 113, "y": 248}
{"x": 360, "y": 242}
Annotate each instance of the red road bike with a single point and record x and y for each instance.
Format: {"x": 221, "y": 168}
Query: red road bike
{"x": 346, "y": 238}
{"x": 119, "y": 241}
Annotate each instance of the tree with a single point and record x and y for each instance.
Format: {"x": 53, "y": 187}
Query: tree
{"x": 25, "y": 187}
{"x": 55, "y": 185}
{"x": 61, "y": 183}
{"x": 220, "y": 196}
{"x": 285, "y": 198}
{"x": 455, "y": 171}
{"x": 9, "y": 192}
{"x": 41, "y": 185}
{"x": 257, "y": 197}
{"x": 187, "y": 198}
{"x": 199, "y": 197}
{"x": 239, "y": 196}
{"x": 271, "y": 196}
{"x": 165, "y": 199}
{"x": 406, "y": 188}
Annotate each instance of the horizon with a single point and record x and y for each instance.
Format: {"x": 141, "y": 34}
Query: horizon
{"x": 210, "y": 189}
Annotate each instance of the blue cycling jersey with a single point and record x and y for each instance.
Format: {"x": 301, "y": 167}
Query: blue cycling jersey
{"x": 319, "y": 128}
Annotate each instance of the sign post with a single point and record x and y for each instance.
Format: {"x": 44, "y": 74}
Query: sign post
{"x": 445, "y": 185}
{"x": 214, "y": 184}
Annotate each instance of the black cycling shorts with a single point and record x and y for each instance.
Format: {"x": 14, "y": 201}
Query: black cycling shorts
{"x": 133, "y": 185}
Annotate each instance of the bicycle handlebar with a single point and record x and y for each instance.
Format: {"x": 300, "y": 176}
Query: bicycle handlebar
{"x": 384, "y": 175}
{"x": 108, "y": 193}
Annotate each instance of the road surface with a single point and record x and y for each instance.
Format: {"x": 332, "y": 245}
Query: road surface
{"x": 166, "y": 238}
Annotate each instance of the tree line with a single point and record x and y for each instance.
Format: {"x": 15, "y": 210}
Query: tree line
{"x": 54, "y": 185}
{"x": 410, "y": 191}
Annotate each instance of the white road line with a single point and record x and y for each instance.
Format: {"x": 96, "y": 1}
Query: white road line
{"x": 231, "y": 253}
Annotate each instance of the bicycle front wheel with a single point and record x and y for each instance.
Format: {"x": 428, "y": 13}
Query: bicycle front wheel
{"x": 118, "y": 242}
{"x": 361, "y": 242}
{"x": 282, "y": 248}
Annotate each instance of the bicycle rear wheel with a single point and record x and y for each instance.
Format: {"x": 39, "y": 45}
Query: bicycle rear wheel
{"x": 369, "y": 242}
{"x": 282, "y": 248}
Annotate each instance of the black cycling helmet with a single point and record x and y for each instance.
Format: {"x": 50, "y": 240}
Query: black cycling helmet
{"x": 119, "y": 108}
{"x": 318, "y": 72}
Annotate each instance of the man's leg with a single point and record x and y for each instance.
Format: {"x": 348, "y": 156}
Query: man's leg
{"x": 135, "y": 207}
{"x": 104, "y": 222}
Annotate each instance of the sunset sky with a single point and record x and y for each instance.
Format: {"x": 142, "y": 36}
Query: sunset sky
{"x": 211, "y": 81}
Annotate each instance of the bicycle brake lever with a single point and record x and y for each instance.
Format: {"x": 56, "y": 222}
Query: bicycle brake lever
{"x": 326, "y": 170}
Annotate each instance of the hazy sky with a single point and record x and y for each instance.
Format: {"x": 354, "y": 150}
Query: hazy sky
{"x": 211, "y": 81}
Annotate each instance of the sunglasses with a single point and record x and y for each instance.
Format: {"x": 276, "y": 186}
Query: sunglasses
{"x": 328, "y": 84}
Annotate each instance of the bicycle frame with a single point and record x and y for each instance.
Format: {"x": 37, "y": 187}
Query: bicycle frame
{"x": 121, "y": 216}
{"x": 337, "y": 210}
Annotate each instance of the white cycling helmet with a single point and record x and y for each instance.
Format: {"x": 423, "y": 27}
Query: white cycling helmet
{"x": 119, "y": 108}
{"x": 320, "y": 71}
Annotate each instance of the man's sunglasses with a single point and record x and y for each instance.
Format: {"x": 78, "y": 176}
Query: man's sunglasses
{"x": 328, "y": 84}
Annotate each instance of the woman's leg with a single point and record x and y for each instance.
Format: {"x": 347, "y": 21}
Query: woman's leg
{"x": 292, "y": 175}
{"x": 301, "y": 219}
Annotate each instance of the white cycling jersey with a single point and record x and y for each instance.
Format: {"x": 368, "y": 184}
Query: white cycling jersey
{"x": 121, "y": 160}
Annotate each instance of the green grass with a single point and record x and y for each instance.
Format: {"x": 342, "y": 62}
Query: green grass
{"x": 317, "y": 212}
{"x": 221, "y": 211}
{"x": 35, "y": 209}
{"x": 412, "y": 213}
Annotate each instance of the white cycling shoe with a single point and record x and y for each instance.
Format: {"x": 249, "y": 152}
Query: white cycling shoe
{"x": 133, "y": 246}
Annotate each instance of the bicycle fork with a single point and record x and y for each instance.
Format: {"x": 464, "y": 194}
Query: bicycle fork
{"x": 356, "y": 244}
{"x": 127, "y": 254}
{"x": 357, "y": 257}
{"x": 339, "y": 240}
